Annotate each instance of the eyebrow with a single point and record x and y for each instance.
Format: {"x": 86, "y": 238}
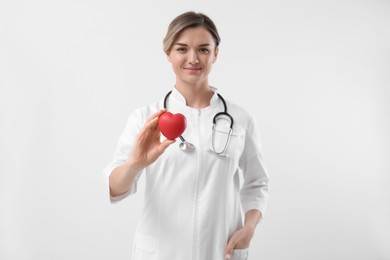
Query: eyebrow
{"x": 202, "y": 45}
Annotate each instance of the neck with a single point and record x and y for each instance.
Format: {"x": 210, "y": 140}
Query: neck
{"x": 196, "y": 95}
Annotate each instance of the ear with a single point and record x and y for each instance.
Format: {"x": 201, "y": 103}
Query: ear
{"x": 168, "y": 57}
{"x": 215, "y": 54}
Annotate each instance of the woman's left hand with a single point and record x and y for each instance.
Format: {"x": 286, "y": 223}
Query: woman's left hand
{"x": 239, "y": 240}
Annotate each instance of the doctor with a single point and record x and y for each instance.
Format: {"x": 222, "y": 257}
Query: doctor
{"x": 193, "y": 198}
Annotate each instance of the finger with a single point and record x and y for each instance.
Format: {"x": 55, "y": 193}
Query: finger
{"x": 164, "y": 145}
{"x": 228, "y": 251}
{"x": 149, "y": 130}
{"x": 152, "y": 122}
{"x": 157, "y": 114}
{"x": 229, "y": 248}
{"x": 151, "y": 125}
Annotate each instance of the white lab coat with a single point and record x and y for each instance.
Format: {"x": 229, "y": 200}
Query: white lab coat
{"x": 194, "y": 200}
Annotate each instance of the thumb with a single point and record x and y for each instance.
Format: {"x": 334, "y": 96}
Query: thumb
{"x": 229, "y": 249}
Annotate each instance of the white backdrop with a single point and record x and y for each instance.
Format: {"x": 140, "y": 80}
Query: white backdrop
{"x": 314, "y": 73}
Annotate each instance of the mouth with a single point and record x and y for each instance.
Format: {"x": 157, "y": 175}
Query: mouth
{"x": 193, "y": 69}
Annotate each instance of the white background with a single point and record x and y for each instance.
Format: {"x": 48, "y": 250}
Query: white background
{"x": 314, "y": 73}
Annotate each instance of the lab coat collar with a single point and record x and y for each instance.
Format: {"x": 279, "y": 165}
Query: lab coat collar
{"x": 181, "y": 99}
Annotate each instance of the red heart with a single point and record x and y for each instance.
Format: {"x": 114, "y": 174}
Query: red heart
{"x": 172, "y": 125}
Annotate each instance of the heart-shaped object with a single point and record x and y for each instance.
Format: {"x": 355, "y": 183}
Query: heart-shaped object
{"x": 172, "y": 125}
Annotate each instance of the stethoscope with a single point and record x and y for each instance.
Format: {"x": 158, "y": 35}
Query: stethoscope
{"x": 187, "y": 146}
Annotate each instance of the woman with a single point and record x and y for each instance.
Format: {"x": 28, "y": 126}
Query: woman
{"x": 193, "y": 198}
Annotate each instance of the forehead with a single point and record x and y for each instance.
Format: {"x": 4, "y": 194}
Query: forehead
{"x": 196, "y": 35}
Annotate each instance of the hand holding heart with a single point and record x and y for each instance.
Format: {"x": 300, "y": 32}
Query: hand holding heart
{"x": 147, "y": 147}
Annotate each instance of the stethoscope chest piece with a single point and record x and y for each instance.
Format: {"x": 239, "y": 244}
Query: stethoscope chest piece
{"x": 186, "y": 146}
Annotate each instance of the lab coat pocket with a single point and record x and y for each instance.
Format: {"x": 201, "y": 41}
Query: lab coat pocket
{"x": 240, "y": 254}
{"x": 226, "y": 142}
{"x": 145, "y": 247}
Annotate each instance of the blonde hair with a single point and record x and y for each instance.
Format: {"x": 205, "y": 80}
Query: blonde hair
{"x": 188, "y": 20}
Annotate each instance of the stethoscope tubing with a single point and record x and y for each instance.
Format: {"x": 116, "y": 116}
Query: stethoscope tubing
{"x": 224, "y": 113}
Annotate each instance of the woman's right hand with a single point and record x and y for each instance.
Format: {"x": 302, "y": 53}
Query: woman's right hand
{"x": 147, "y": 147}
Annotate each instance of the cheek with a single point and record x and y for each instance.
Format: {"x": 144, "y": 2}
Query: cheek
{"x": 209, "y": 62}
{"x": 210, "y": 59}
{"x": 176, "y": 61}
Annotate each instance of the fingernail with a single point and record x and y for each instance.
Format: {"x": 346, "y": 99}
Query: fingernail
{"x": 227, "y": 256}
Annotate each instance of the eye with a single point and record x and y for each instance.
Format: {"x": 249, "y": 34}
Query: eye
{"x": 181, "y": 49}
{"x": 204, "y": 50}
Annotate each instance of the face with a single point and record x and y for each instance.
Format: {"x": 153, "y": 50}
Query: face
{"x": 192, "y": 55}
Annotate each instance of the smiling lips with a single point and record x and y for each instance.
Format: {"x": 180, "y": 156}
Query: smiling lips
{"x": 193, "y": 69}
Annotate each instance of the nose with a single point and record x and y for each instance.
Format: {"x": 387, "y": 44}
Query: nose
{"x": 193, "y": 58}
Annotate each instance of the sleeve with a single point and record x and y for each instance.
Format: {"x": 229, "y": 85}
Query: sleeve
{"x": 122, "y": 152}
{"x": 254, "y": 191}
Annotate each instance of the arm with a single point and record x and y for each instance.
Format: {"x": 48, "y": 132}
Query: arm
{"x": 123, "y": 178}
{"x": 254, "y": 192}
{"x": 252, "y": 218}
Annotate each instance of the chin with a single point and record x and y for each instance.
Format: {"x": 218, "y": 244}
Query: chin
{"x": 194, "y": 82}
{"x": 193, "y": 79}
